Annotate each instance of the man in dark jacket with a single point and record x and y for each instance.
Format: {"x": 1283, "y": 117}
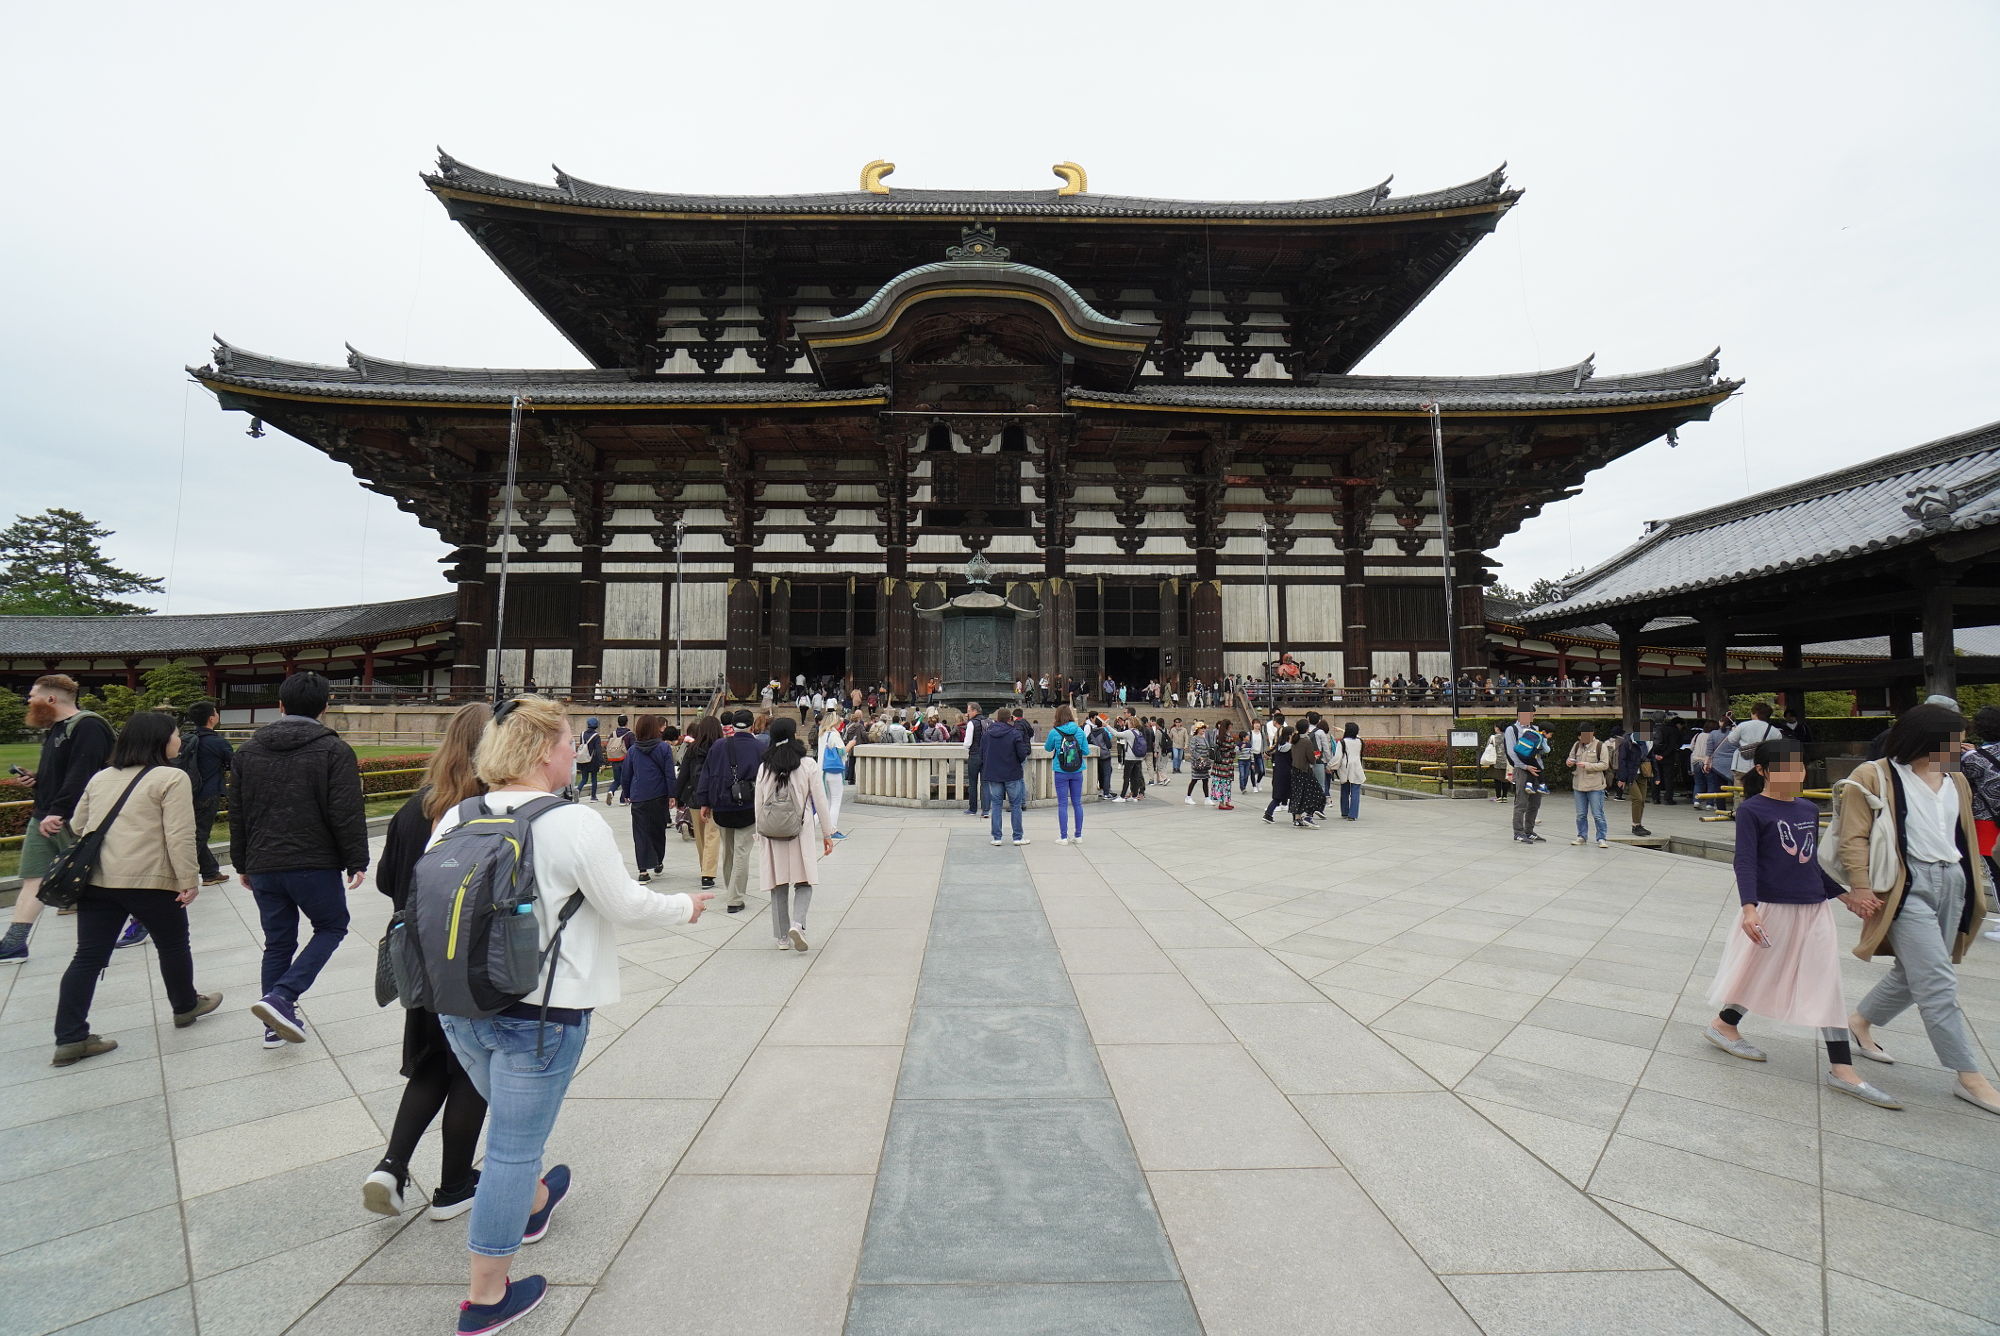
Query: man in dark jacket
{"x": 75, "y": 745}
{"x": 1004, "y": 751}
{"x": 975, "y": 758}
{"x": 206, "y": 756}
{"x": 296, "y": 823}
{"x": 735, "y": 758}
{"x": 1638, "y": 764}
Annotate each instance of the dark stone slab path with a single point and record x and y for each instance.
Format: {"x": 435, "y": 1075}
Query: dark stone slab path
{"x": 1009, "y": 1199}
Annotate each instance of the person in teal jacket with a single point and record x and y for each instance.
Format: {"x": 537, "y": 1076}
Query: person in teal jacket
{"x": 1067, "y": 745}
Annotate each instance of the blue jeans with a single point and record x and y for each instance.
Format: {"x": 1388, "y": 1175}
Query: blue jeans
{"x": 1589, "y": 807}
{"x": 1245, "y": 769}
{"x": 1014, "y": 792}
{"x": 1350, "y": 801}
{"x": 1177, "y": 759}
{"x": 1069, "y": 798}
{"x": 321, "y": 895}
{"x": 523, "y": 1095}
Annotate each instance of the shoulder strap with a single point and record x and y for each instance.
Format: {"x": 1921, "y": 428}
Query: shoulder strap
{"x": 119, "y": 806}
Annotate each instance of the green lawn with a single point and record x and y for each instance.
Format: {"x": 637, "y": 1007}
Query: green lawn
{"x": 10, "y": 859}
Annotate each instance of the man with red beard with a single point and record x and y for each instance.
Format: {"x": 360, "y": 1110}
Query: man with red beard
{"x": 75, "y": 746}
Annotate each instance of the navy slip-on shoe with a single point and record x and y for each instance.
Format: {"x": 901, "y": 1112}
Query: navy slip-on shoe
{"x": 522, "y": 1298}
{"x": 557, "y": 1182}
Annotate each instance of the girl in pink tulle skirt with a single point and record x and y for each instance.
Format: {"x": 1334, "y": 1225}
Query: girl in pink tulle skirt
{"x": 1783, "y": 961}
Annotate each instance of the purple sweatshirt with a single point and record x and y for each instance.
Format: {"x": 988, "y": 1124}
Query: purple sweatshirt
{"x": 1777, "y": 853}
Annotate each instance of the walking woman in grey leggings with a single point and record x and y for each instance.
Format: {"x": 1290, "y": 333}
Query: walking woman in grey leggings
{"x": 1932, "y": 904}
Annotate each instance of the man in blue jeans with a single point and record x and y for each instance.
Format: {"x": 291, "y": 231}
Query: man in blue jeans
{"x": 1004, "y": 750}
{"x": 296, "y": 824}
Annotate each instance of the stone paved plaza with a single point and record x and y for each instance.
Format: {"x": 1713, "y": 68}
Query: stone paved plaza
{"x": 1197, "y": 1075}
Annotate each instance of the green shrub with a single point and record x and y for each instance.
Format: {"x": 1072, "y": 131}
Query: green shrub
{"x": 13, "y": 716}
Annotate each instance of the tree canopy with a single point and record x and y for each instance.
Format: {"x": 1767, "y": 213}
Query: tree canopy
{"x": 1543, "y": 590}
{"x": 51, "y": 564}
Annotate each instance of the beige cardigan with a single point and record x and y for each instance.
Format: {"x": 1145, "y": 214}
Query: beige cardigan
{"x": 1587, "y": 769}
{"x": 1857, "y": 820}
{"x": 151, "y": 845}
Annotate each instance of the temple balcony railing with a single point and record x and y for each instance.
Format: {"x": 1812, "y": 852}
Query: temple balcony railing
{"x": 932, "y": 774}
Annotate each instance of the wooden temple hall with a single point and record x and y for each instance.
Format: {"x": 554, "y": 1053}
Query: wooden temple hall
{"x": 803, "y": 414}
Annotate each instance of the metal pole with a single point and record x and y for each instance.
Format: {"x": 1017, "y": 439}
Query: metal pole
{"x": 1436, "y": 410}
{"x": 1264, "y": 531}
{"x": 680, "y": 589}
{"x": 499, "y": 676}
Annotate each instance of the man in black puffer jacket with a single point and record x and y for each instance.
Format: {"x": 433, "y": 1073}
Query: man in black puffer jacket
{"x": 296, "y": 823}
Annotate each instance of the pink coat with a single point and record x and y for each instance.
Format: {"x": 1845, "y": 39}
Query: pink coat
{"x": 788, "y": 862}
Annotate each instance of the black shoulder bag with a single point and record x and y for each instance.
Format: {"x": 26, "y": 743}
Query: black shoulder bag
{"x": 71, "y": 869}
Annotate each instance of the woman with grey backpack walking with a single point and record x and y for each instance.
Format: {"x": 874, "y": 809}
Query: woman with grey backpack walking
{"x": 547, "y": 950}
{"x": 791, "y": 834}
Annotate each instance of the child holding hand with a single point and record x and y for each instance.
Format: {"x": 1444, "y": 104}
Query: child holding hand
{"x": 1783, "y": 961}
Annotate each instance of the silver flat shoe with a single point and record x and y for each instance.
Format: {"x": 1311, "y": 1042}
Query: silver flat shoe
{"x": 1864, "y": 1092}
{"x": 1874, "y": 1053}
{"x": 1735, "y": 1048}
{"x": 1975, "y": 1100}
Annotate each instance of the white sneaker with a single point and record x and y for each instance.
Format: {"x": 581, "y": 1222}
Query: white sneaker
{"x": 996, "y": 844}
{"x": 784, "y": 945}
{"x": 1062, "y": 839}
{"x": 382, "y": 1193}
{"x": 1118, "y": 800}
{"x": 1577, "y": 840}
{"x": 1208, "y": 802}
{"x": 1023, "y": 840}
{"x": 1190, "y": 800}
{"x": 1602, "y": 844}
{"x": 1076, "y": 839}
{"x": 797, "y": 939}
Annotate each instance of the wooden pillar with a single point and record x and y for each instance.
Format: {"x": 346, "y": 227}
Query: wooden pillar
{"x": 367, "y": 665}
{"x": 1356, "y": 653}
{"x": 1940, "y": 649}
{"x": 468, "y": 667}
{"x": 1791, "y": 658}
{"x": 779, "y": 664}
{"x": 1628, "y": 672}
{"x": 1902, "y": 649}
{"x": 1718, "y": 664}
{"x": 212, "y": 680}
{"x": 132, "y": 674}
{"x": 587, "y": 663}
{"x": 1469, "y": 609}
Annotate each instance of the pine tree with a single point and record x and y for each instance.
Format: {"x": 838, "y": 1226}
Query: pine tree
{"x": 50, "y": 564}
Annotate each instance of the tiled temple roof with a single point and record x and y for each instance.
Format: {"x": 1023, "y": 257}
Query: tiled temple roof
{"x": 1375, "y": 202}
{"x": 221, "y": 632}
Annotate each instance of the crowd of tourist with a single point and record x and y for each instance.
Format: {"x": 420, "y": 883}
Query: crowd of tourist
{"x": 500, "y": 972}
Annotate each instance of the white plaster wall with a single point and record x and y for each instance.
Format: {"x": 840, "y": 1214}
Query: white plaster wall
{"x": 1243, "y": 663}
{"x": 1243, "y": 612}
{"x": 699, "y": 668}
{"x": 1434, "y": 663}
{"x": 631, "y": 668}
{"x": 1312, "y": 613}
{"x": 1387, "y": 663}
{"x": 552, "y": 667}
{"x": 704, "y": 613}
{"x": 631, "y": 611}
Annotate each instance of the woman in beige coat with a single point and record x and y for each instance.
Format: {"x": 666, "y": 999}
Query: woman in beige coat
{"x": 790, "y": 865}
{"x": 146, "y": 869}
{"x": 1930, "y": 905}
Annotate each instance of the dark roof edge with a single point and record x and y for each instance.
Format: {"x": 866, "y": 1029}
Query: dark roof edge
{"x": 453, "y": 174}
{"x": 162, "y": 619}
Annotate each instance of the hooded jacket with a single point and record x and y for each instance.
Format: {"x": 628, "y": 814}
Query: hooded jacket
{"x": 1053, "y": 743}
{"x": 296, "y": 801}
{"x": 647, "y": 772}
{"x": 1005, "y": 747}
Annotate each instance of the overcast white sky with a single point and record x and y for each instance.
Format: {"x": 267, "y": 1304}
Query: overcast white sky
{"x": 1812, "y": 186}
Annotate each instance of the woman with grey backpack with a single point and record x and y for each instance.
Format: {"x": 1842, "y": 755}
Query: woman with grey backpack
{"x": 791, "y": 837}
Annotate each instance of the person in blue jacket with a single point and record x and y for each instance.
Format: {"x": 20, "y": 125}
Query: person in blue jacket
{"x": 1070, "y": 753}
{"x": 647, "y": 777}
{"x": 1005, "y": 748}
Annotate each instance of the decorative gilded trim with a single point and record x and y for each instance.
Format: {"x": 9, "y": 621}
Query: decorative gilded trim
{"x": 872, "y": 174}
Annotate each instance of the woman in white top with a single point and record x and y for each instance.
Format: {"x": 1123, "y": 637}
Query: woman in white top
{"x": 1347, "y": 772}
{"x": 1930, "y": 903}
{"x": 521, "y": 1067}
